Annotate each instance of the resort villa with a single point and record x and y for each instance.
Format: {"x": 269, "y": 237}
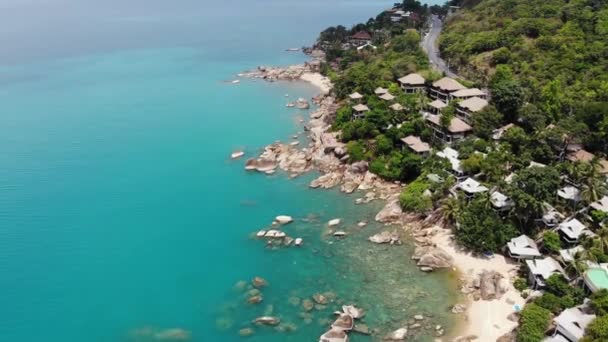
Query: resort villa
{"x": 387, "y": 97}
{"x": 542, "y": 269}
{"x": 468, "y": 93}
{"x": 452, "y": 156}
{"x": 570, "y": 193}
{"x": 500, "y": 201}
{"x": 467, "y": 107}
{"x": 360, "y": 38}
{"x": 359, "y": 111}
{"x": 412, "y": 83}
{"x": 471, "y": 187}
{"x": 572, "y": 230}
{"x": 457, "y": 130}
{"x": 355, "y": 97}
{"x": 443, "y": 88}
{"x": 416, "y": 145}
{"x": 600, "y": 205}
{"x": 571, "y": 323}
{"x": 436, "y": 106}
{"x": 522, "y": 247}
{"x": 568, "y": 255}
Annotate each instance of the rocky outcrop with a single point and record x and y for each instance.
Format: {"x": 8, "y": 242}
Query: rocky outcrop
{"x": 397, "y": 335}
{"x": 267, "y": 320}
{"x": 492, "y": 285}
{"x": 391, "y": 213}
{"x": 327, "y": 181}
{"x": 386, "y": 237}
{"x": 354, "y": 311}
{"x": 434, "y": 257}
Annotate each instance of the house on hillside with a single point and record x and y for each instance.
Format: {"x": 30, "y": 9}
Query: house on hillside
{"x": 522, "y": 247}
{"x": 466, "y": 108}
{"x": 471, "y": 187}
{"x": 551, "y": 217}
{"x": 359, "y": 111}
{"x": 572, "y": 230}
{"x": 443, "y": 88}
{"x": 457, "y": 130}
{"x": 360, "y": 38}
{"x": 412, "y": 83}
{"x": 452, "y": 156}
{"x": 572, "y": 322}
{"x": 416, "y": 145}
{"x": 600, "y": 205}
{"x": 397, "y": 107}
{"x": 541, "y": 270}
{"x": 467, "y": 93}
{"x": 501, "y": 202}
{"x": 355, "y": 97}
{"x": 387, "y": 97}
{"x": 436, "y": 106}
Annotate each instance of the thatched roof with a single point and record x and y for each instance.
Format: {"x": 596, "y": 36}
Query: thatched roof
{"x": 355, "y": 96}
{"x": 361, "y": 108}
{"x": 438, "y": 104}
{"x": 412, "y": 79}
{"x": 380, "y": 91}
{"x": 387, "y": 97}
{"x": 474, "y": 104}
{"x": 416, "y": 144}
{"x": 448, "y": 84}
{"x": 468, "y": 92}
{"x": 396, "y": 107}
{"x": 456, "y": 126}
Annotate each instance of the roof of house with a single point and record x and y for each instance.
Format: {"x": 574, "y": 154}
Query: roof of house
{"x": 452, "y": 156}
{"x": 500, "y": 200}
{"x": 471, "y": 186}
{"x": 544, "y": 267}
{"x": 438, "y": 104}
{"x": 551, "y": 215}
{"x": 362, "y": 35}
{"x": 448, "y": 84}
{"x": 387, "y": 97}
{"x": 456, "y": 126}
{"x": 573, "y": 228}
{"x": 567, "y": 255}
{"x": 468, "y": 92}
{"x": 355, "y": 96}
{"x": 473, "y": 104}
{"x": 524, "y": 246}
{"x": 580, "y": 156}
{"x": 575, "y": 320}
{"x": 380, "y": 91}
{"x": 396, "y": 106}
{"x": 601, "y": 205}
{"x": 498, "y": 133}
{"x": 412, "y": 79}
{"x": 536, "y": 164}
{"x": 416, "y": 144}
{"x": 570, "y": 193}
{"x": 556, "y": 338}
{"x": 361, "y": 108}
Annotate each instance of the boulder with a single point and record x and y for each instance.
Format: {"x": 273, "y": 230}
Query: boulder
{"x": 419, "y": 317}
{"x": 259, "y": 282}
{"x": 298, "y": 242}
{"x": 344, "y": 322}
{"x": 490, "y": 285}
{"x": 255, "y": 299}
{"x": 354, "y": 311}
{"x": 361, "y": 328}
{"x": 340, "y": 233}
{"x": 459, "y": 308}
{"x": 320, "y": 299}
{"x": 174, "y": 334}
{"x": 246, "y": 332}
{"x": 308, "y": 304}
{"x": 359, "y": 167}
{"x": 434, "y": 257}
{"x": 391, "y": 213}
{"x": 267, "y": 320}
{"x": 333, "y": 222}
{"x": 284, "y": 219}
{"x": 326, "y": 181}
{"x": 385, "y": 237}
{"x": 334, "y": 335}
{"x": 397, "y": 335}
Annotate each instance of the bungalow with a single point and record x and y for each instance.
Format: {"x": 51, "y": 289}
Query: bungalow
{"x": 360, "y": 38}
{"x": 359, "y": 111}
{"x": 380, "y": 91}
{"x": 551, "y": 216}
{"x": 415, "y": 144}
{"x": 570, "y": 193}
{"x": 567, "y": 255}
{"x": 499, "y": 132}
{"x": 396, "y": 107}
{"x": 399, "y": 16}
{"x": 457, "y": 130}
{"x": 471, "y": 187}
{"x": 572, "y": 230}
{"x": 542, "y": 269}
{"x": 501, "y": 202}
{"x": 469, "y": 106}
{"x": 436, "y": 106}
{"x": 522, "y": 247}
{"x": 412, "y": 83}
{"x": 571, "y": 323}
{"x": 387, "y": 97}
{"x": 452, "y": 156}
{"x": 580, "y": 155}
{"x": 355, "y": 97}
{"x": 601, "y": 205}
{"x": 442, "y": 89}
{"x": 467, "y": 93}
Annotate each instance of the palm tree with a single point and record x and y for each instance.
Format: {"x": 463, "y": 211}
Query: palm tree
{"x": 602, "y": 235}
{"x": 450, "y": 209}
{"x": 579, "y": 264}
{"x": 593, "y": 182}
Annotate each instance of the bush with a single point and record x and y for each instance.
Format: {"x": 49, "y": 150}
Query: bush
{"x": 356, "y": 151}
{"x": 599, "y": 302}
{"x": 554, "y": 303}
{"x": 552, "y": 242}
{"x": 597, "y": 331}
{"x": 412, "y": 198}
{"x": 520, "y": 284}
{"x": 533, "y": 323}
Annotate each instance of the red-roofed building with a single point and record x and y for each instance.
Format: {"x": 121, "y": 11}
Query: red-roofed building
{"x": 360, "y": 38}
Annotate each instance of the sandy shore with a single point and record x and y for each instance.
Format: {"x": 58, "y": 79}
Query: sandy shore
{"x": 485, "y": 319}
{"x": 318, "y": 81}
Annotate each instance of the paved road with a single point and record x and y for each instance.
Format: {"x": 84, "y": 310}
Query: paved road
{"x": 429, "y": 44}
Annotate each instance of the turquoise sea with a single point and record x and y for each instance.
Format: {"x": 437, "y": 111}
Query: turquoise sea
{"x": 121, "y": 213}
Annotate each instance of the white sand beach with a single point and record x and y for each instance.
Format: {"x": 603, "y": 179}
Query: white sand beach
{"x": 485, "y": 319}
{"x": 317, "y": 80}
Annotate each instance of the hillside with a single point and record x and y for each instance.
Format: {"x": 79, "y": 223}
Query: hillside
{"x": 557, "y": 50}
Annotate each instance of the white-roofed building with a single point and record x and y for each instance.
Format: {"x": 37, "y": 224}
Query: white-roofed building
{"x": 412, "y": 83}
{"x": 522, "y": 247}
{"x": 471, "y": 187}
{"x": 601, "y": 205}
{"x": 567, "y": 255}
{"x": 570, "y": 193}
{"x": 572, "y": 230}
{"x": 542, "y": 269}
{"x": 397, "y": 107}
{"x": 551, "y": 217}
{"x": 469, "y": 106}
{"x": 500, "y": 201}
{"x": 571, "y": 323}
{"x": 452, "y": 156}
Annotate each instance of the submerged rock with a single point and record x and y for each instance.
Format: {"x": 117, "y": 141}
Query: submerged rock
{"x": 267, "y": 320}
{"x": 397, "y": 335}
{"x": 333, "y": 222}
{"x": 174, "y": 334}
{"x": 320, "y": 299}
{"x": 362, "y": 329}
{"x": 354, "y": 311}
{"x": 434, "y": 257}
{"x": 284, "y": 219}
{"x": 334, "y": 335}
{"x": 255, "y": 299}
{"x": 259, "y": 282}
{"x": 308, "y": 304}
{"x": 385, "y": 237}
{"x": 344, "y": 322}
{"x": 246, "y": 332}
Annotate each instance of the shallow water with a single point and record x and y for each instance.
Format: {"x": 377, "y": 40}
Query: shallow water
{"x": 119, "y": 206}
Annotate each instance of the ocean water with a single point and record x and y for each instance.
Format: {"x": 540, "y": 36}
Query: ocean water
{"x": 121, "y": 213}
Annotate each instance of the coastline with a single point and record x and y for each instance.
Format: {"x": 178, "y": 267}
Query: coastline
{"x": 482, "y": 319}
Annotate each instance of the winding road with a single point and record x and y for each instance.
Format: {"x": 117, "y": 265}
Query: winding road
{"x": 429, "y": 44}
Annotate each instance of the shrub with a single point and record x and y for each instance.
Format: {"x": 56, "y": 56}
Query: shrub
{"x": 520, "y": 284}
{"x": 412, "y": 198}
{"x": 356, "y": 151}
{"x": 599, "y": 302}
{"x": 597, "y": 331}
{"x": 533, "y": 323}
{"x": 552, "y": 242}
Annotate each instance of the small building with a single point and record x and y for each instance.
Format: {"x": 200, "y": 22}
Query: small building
{"x": 436, "y": 106}
{"x": 567, "y": 255}
{"x": 396, "y": 107}
{"x": 468, "y": 93}
{"x": 380, "y": 91}
{"x": 359, "y": 111}
{"x": 452, "y": 156}
{"x": 522, "y": 247}
{"x": 387, "y": 97}
{"x": 580, "y": 155}
{"x": 412, "y": 83}
{"x": 572, "y": 230}
{"x": 541, "y": 270}
{"x": 551, "y": 217}
{"x": 457, "y": 130}
{"x": 499, "y": 132}
{"x": 570, "y": 193}
{"x": 360, "y": 38}
{"x": 469, "y": 106}
{"x": 415, "y": 144}
{"x": 501, "y": 202}
{"x": 443, "y": 88}
{"x": 471, "y": 187}
{"x": 571, "y": 323}
{"x": 355, "y": 97}
{"x": 601, "y": 205}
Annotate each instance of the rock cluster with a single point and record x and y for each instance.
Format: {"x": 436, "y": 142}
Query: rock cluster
{"x": 488, "y": 285}
{"x": 432, "y": 257}
{"x": 338, "y": 331}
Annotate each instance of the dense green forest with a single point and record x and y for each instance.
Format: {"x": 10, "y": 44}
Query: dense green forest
{"x": 556, "y": 50}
